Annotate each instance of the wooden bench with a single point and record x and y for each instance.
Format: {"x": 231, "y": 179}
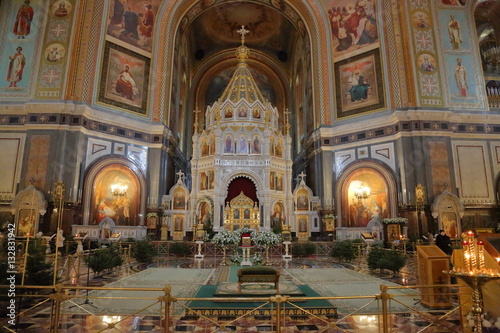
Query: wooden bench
{"x": 258, "y": 274}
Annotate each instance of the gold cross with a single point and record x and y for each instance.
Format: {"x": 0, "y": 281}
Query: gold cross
{"x": 242, "y": 32}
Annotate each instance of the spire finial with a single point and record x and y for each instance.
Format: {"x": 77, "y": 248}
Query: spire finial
{"x": 196, "y": 111}
{"x": 287, "y": 122}
{"x": 242, "y": 32}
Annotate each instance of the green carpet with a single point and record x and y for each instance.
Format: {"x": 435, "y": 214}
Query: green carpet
{"x": 232, "y": 308}
{"x": 346, "y": 282}
{"x": 210, "y": 308}
{"x": 185, "y": 282}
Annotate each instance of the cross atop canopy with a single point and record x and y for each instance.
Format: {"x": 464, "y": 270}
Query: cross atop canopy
{"x": 243, "y": 32}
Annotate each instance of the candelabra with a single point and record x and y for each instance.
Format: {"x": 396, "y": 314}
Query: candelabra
{"x": 362, "y": 192}
{"x": 475, "y": 275}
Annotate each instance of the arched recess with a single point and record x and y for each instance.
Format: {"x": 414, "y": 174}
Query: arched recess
{"x": 241, "y": 184}
{"x": 98, "y": 196}
{"x": 253, "y": 176}
{"x": 382, "y": 199}
{"x": 311, "y": 14}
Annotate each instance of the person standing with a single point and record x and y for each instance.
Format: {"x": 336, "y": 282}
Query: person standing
{"x": 461, "y": 78}
{"x": 16, "y": 67}
{"x": 24, "y": 18}
{"x": 443, "y": 241}
{"x": 455, "y": 33}
{"x": 148, "y": 21}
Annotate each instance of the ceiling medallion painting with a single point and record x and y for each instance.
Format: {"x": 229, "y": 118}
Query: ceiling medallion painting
{"x": 221, "y": 22}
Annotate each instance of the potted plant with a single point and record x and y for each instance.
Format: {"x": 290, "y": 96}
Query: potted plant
{"x": 144, "y": 251}
{"x": 344, "y": 250}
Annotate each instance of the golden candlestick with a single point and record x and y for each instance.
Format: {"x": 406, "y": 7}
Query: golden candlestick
{"x": 475, "y": 274}
{"x": 475, "y": 282}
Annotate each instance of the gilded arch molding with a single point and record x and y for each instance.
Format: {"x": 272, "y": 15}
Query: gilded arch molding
{"x": 313, "y": 16}
{"x": 382, "y": 170}
{"x": 91, "y": 175}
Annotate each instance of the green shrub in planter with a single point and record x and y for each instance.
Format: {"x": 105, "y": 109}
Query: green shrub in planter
{"x": 298, "y": 250}
{"x": 38, "y": 271}
{"x": 309, "y": 249}
{"x": 144, "y": 251}
{"x": 104, "y": 259}
{"x": 179, "y": 248}
{"x": 344, "y": 250}
{"x": 392, "y": 260}
{"x": 373, "y": 260}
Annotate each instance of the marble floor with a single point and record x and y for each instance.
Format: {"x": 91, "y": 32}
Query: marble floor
{"x": 39, "y": 321}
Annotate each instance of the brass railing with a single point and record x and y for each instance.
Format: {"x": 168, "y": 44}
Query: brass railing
{"x": 274, "y": 311}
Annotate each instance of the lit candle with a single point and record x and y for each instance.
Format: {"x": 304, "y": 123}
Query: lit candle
{"x": 480, "y": 248}
{"x": 467, "y": 262}
{"x": 473, "y": 252}
{"x": 465, "y": 245}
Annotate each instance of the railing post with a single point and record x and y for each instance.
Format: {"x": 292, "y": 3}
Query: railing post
{"x": 56, "y": 297}
{"x": 68, "y": 266}
{"x": 168, "y": 299}
{"x": 385, "y": 297}
{"x": 278, "y": 299}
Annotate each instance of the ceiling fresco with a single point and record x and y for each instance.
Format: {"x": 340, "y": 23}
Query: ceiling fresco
{"x": 215, "y": 28}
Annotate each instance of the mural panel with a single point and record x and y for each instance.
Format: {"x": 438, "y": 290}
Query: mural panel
{"x": 353, "y": 24}
{"x": 124, "y": 79}
{"x": 461, "y": 80}
{"x": 454, "y": 38}
{"x": 132, "y": 22}
{"x": 17, "y": 51}
{"x": 359, "y": 84}
{"x": 359, "y": 211}
{"x": 123, "y": 207}
{"x": 179, "y": 199}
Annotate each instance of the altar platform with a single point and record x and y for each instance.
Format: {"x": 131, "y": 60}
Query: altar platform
{"x": 233, "y": 307}
{"x": 258, "y": 289}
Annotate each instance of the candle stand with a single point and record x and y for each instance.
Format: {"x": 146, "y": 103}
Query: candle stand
{"x": 475, "y": 282}
{"x": 287, "y": 255}
{"x": 475, "y": 275}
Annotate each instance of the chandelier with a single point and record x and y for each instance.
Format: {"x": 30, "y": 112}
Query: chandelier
{"x": 119, "y": 190}
{"x": 362, "y": 192}
{"x": 491, "y": 57}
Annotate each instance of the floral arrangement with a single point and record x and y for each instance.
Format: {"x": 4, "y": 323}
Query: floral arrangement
{"x": 257, "y": 259}
{"x": 330, "y": 216}
{"x": 266, "y": 238}
{"x": 245, "y": 230}
{"x": 395, "y": 220}
{"x": 235, "y": 259}
{"x": 152, "y": 215}
{"x": 225, "y": 237}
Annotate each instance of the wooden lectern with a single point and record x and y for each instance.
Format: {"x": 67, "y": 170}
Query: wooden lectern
{"x": 431, "y": 264}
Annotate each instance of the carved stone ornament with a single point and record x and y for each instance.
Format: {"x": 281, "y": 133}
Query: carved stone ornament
{"x": 447, "y": 202}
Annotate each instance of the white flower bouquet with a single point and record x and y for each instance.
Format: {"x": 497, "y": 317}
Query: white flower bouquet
{"x": 395, "y": 220}
{"x": 225, "y": 237}
{"x": 266, "y": 238}
{"x": 245, "y": 230}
